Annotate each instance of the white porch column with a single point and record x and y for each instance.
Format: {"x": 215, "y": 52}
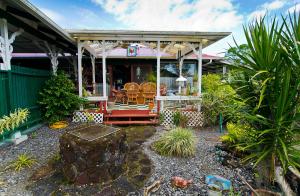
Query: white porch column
{"x": 158, "y": 69}
{"x": 93, "y": 73}
{"x": 104, "y": 68}
{"x": 199, "y": 69}
{"x": 6, "y": 47}
{"x": 79, "y": 68}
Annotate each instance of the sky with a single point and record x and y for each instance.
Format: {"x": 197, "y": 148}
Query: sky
{"x": 179, "y": 15}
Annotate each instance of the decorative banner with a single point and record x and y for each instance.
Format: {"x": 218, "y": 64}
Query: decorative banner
{"x": 131, "y": 51}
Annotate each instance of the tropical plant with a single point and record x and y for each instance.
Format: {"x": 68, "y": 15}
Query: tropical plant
{"x": 269, "y": 84}
{"x": 177, "y": 142}
{"x": 58, "y": 98}
{"x": 13, "y": 120}
{"x": 237, "y": 135}
{"x": 23, "y": 161}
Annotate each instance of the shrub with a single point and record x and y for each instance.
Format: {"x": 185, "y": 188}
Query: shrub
{"x": 238, "y": 134}
{"x": 58, "y": 98}
{"x": 23, "y": 161}
{"x": 218, "y": 97}
{"x": 177, "y": 142}
{"x": 13, "y": 120}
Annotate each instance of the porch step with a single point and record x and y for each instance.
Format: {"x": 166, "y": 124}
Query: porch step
{"x": 140, "y": 122}
{"x": 129, "y": 115}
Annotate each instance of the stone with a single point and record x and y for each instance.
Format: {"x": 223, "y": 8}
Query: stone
{"x": 20, "y": 139}
{"x": 93, "y": 153}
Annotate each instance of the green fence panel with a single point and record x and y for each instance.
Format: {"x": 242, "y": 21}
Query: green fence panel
{"x": 20, "y": 88}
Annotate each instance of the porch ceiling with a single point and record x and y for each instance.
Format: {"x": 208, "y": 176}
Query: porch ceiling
{"x": 170, "y": 41}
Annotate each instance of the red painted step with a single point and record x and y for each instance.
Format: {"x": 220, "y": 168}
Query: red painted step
{"x": 140, "y": 122}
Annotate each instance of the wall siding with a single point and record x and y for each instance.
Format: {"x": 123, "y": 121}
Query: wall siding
{"x": 19, "y": 88}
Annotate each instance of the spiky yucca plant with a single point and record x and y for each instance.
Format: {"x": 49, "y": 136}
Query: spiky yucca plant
{"x": 13, "y": 120}
{"x": 177, "y": 142}
{"x": 272, "y": 68}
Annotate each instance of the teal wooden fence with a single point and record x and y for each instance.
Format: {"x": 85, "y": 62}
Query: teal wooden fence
{"x": 19, "y": 88}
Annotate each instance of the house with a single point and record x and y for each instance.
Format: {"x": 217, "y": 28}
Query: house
{"x": 101, "y": 60}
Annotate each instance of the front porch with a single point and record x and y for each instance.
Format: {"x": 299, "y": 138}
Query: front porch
{"x": 173, "y": 82}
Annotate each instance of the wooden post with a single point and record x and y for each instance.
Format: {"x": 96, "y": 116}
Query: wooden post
{"x": 158, "y": 55}
{"x": 104, "y": 68}
{"x": 199, "y": 69}
{"x": 94, "y": 74}
{"x": 6, "y": 56}
{"x": 79, "y": 45}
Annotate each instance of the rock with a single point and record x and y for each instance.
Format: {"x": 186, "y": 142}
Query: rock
{"x": 92, "y": 154}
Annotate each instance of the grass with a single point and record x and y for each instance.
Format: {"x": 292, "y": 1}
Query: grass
{"x": 23, "y": 161}
{"x": 177, "y": 142}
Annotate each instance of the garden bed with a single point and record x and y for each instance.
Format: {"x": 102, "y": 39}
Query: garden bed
{"x": 144, "y": 167}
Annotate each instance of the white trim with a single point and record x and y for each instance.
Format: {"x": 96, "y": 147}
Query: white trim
{"x": 179, "y": 98}
{"x": 97, "y": 98}
{"x": 6, "y": 47}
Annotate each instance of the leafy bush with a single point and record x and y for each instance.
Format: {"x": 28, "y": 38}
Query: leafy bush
{"x": 180, "y": 119}
{"x": 237, "y": 135}
{"x": 13, "y": 120}
{"x": 269, "y": 85}
{"x": 58, "y": 98}
{"x": 23, "y": 161}
{"x": 177, "y": 142}
{"x": 218, "y": 97}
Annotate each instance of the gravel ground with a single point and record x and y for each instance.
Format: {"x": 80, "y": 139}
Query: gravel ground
{"x": 42, "y": 144}
{"x": 195, "y": 168}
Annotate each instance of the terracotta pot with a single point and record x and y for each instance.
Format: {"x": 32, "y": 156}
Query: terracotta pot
{"x": 59, "y": 125}
{"x": 263, "y": 192}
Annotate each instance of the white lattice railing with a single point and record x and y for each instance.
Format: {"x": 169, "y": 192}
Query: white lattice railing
{"x": 195, "y": 118}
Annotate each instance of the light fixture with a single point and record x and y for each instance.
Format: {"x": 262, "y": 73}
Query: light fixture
{"x": 181, "y": 81}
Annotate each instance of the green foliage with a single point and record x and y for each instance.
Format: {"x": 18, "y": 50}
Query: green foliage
{"x": 177, "y": 142}
{"x": 180, "y": 119}
{"x": 217, "y": 97}
{"x": 23, "y": 161}
{"x": 238, "y": 134}
{"x": 151, "y": 77}
{"x": 58, "y": 98}
{"x": 269, "y": 82}
{"x": 13, "y": 120}
{"x": 89, "y": 117}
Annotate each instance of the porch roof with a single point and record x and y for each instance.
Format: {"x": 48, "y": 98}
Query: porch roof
{"x": 37, "y": 27}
